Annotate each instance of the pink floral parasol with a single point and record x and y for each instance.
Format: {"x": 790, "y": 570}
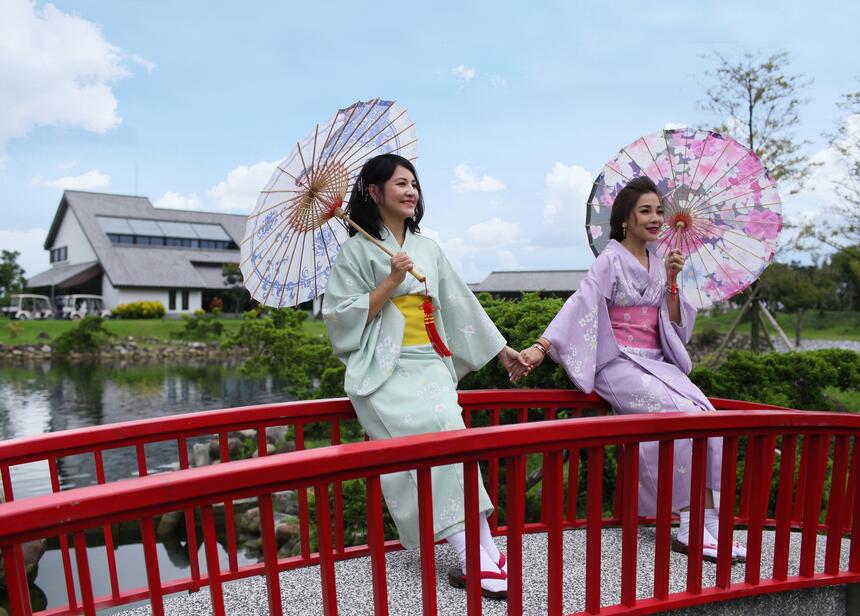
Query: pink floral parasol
{"x": 721, "y": 206}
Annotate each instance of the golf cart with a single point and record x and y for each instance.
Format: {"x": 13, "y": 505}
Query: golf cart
{"x": 79, "y": 306}
{"x": 27, "y": 307}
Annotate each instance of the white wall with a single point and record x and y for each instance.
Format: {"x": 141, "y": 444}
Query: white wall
{"x": 126, "y": 295}
{"x": 71, "y": 235}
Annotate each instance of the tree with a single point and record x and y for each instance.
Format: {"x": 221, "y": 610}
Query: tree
{"x": 842, "y": 231}
{"x": 11, "y": 274}
{"x": 845, "y": 271}
{"x": 235, "y": 283}
{"x": 757, "y": 101}
{"x": 795, "y": 289}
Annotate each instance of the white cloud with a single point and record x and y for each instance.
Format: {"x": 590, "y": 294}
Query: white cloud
{"x": 467, "y": 179}
{"x": 674, "y": 125}
{"x": 464, "y": 73}
{"x": 146, "y": 64}
{"x": 56, "y": 69}
{"x": 34, "y": 258}
{"x": 567, "y": 190}
{"x": 91, "y": 180}
{"x": 177, "y": 201}
{"x": 240, "y": 190}
{"x": 494, "y": 232}
{"x": 498, "y": 82}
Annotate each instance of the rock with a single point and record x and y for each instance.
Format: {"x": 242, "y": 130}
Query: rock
{"x": 43, "y": 335}
{"x": 46, "y": 348}
{"x": 215, "y": 449}
{"x": 287, "y": 529}
{"x": 32, "y": 551}
{"x": 235, "y": 446}
{"x": 168, "y": 523}
{"x": 288, "y": 502}
{"x": 277, "y": 434}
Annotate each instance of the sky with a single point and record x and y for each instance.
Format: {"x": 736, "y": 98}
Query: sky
{"x": 517, "y": 105}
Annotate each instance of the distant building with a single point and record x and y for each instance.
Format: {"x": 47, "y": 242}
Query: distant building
{"x": 126, "y": 250}
{"x": 549, "y": 283}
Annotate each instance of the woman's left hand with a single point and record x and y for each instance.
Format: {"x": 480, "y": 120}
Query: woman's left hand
{"x": 514, "y": 363}
{"x": 674, "y": 263}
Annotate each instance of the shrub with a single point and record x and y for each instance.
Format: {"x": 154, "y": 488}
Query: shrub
{"x": 200, "y": 326}
{"x": 139, "y": 310}
{"x": 14, "y": 329}
{"x": 88, "y": 338}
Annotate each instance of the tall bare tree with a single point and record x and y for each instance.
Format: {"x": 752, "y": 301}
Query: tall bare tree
{"x": 841, "y": 230}
{"x": 757, "y": 100}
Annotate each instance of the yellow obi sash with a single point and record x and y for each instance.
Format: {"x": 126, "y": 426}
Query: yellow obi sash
{"x": 414, "y": 333}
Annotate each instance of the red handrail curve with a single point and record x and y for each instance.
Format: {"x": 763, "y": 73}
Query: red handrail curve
{"x": 92, "y": 507}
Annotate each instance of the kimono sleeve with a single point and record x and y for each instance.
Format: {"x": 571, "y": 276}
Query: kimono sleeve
{"x": 581, "y": 335}
{"x": 468, "y": 331}
{"x": 346, "y": 305}
{"x": 674, "y": 337}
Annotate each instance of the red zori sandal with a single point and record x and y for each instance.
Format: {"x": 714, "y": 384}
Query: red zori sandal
{"x": 457, "y": 579}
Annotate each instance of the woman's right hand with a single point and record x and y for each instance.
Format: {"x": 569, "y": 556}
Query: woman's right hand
{"x": 533, "y": 357}
{"x": 401, "y": 263}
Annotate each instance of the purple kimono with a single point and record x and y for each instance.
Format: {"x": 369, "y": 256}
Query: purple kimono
{"x": 614, "y": 336}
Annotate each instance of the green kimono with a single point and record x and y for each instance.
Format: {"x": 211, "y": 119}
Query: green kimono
{"x": 397, "y": 390}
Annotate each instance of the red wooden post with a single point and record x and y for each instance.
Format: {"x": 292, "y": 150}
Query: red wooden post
{"x": 493, "y": 478}
{"x": 697, "y": 515}
{"x": 327, "y": 579}
{"x": 190, "y": 525}
{"x": 552, "y": 490}
{"x": 618, "y": 497}
{"x": 229, "y": 513}
{"x": 572, "y": 485}
{"x": 728, "y": 476}
{"x": 594, "y": 526}
{"x": 213, "y": 565}
{"x": 782, "y": 534}
{"x": 428, "y": 547}
{"x": 84, "y": 574}
{"x": 153, "y": 577}
{"x": 473, "y": 539}
{"x": 854, "y": 555}
{"x": 108, "y": 532}
{"x": 746, "y": 482}
{"x": 270, "y": 553}
{"x": 337, "y": 490}
{"x": 515, "y": 468}
{"x": 802, "y": 475}
{"x": 835, "y": 505}
{"x": 630, "y": 529}
{"x": 812, "y": 507}
{"x": 64, "y": 540}
{"x": 376, "y": 543}
{"x": 665, "y": 475}
{"x": 304, "y": 511}
{"x": 758, "y": 504}
{"x": 16, "y": 581}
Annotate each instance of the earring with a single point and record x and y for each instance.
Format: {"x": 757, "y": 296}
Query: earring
{"x": 624, "y": 232}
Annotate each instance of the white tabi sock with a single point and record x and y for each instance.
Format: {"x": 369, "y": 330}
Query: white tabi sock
{"x": 458, "y": 542}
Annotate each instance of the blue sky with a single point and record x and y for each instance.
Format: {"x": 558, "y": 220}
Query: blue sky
{"x": 517, "y": 105}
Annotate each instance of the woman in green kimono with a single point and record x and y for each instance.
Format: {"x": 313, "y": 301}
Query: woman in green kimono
{"x": 398, "y": 384}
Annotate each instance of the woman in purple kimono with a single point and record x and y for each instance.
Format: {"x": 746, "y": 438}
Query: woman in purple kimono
{"x": 622, "y": 334}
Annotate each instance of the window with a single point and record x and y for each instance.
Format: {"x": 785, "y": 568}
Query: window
{"x": 59, "y": 254}
{"x": 171, "y": 296}
{"x": 185, "y": 299}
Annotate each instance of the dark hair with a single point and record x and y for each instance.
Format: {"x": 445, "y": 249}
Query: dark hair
{"x": 625, "y": 201}
{"x": 363, "y": 209}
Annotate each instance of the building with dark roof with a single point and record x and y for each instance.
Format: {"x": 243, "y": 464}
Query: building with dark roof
{"x": 126, "y": 250}
{"x": 549, "y": 283}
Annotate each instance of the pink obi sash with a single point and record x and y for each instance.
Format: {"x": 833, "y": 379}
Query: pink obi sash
{"x": 635, "y": 326}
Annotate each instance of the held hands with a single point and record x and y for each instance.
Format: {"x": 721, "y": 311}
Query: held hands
{"x": 533, "y": 357}
{"x": 674, "y": 263}
{"x": 513, "y": 363}
{"x": 401, "y": 263}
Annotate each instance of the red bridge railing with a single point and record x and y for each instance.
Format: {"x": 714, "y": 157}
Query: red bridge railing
{"x": 798, "y": 502}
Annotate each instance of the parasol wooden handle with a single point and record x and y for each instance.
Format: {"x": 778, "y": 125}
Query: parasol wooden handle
{"x": 679, "y": 226}
{"x": 342, "y": 215}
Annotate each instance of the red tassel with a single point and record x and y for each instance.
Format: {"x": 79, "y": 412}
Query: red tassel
{"x": 430, "y": 326}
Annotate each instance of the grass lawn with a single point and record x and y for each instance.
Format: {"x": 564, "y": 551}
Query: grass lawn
{"x": 827, "y": 325}
{"x": 138, "y": 328}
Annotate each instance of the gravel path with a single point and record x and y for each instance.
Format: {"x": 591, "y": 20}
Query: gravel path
{"x": 301, "y": 595}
